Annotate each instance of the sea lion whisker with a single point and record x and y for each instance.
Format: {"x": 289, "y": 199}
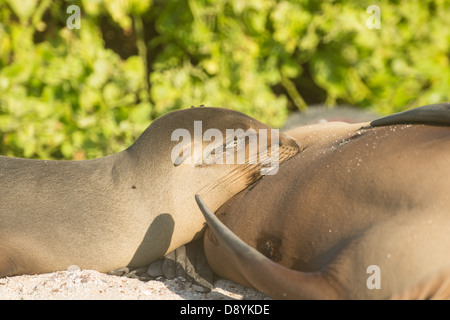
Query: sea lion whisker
{"x": 124, "y": 209}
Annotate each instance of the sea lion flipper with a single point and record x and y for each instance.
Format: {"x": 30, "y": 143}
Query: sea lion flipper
{"x": 169, "y": 265}
{"x": 262, "y": 273}
{"x": 187, "y": 263}
{"x": 197, "y": 267}
{"x": 434, "y": 114}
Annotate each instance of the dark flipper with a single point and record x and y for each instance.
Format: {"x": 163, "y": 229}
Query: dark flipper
{"x": 433, "y": 114}
{"x": 262, "y": 273}
{"x": 187, "y": 263}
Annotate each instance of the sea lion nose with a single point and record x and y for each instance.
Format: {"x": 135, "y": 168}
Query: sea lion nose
{"x": 289, "y": 142}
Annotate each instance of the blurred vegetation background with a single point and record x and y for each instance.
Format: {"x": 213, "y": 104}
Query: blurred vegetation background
{"x": 88, "y": 92}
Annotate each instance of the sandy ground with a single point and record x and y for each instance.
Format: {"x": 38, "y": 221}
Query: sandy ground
{"x": 76, "y": 284}
{"x": 89, "y": 285}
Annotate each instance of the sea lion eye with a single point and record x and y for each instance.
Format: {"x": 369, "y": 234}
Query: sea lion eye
{"x": 237, "y": 142}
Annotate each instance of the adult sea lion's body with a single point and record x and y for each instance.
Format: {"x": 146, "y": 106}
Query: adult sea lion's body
{"x": 126, "y": 209}
{"x": 358, "y": 208}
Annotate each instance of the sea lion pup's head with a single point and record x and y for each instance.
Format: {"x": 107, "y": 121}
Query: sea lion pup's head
{"x": 213, "y": 151}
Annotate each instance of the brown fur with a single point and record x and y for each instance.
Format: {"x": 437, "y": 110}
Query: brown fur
{"x": 126, "y": 209}
{"x": 352, "y": 198}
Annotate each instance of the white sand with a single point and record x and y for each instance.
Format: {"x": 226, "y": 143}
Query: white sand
{"x": 88, "y": 284}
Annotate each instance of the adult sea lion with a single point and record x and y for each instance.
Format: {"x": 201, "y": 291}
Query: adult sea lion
{"x": 361, "y": 213}
{"x": 126, "y": 209}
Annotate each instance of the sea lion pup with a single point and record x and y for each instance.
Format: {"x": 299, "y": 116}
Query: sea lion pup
{"x": 129, "y": 208}
{"x": 361, "y": 213}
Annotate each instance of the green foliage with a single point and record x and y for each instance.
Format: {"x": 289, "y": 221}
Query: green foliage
{"x": 68, "y": 97}
{"x": 88, "y": 92}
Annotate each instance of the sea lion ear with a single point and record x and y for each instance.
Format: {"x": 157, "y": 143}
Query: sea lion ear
{"x": 183, "y": 155}
{"x": 178, "y": 161}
